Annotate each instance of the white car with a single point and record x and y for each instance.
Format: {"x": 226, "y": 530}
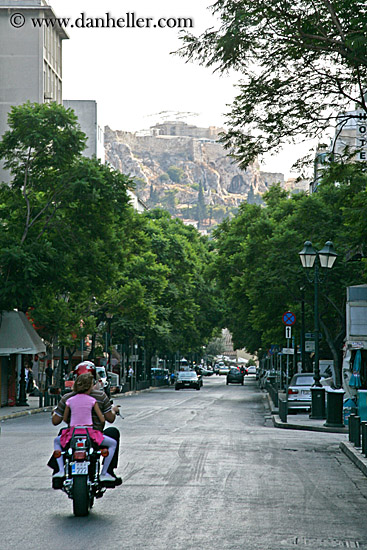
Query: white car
{"x": 103, "y": 380}
{"x": 223, "y": 369}
{"x": 251, "y": 369}
{"x": 299, "y": 391}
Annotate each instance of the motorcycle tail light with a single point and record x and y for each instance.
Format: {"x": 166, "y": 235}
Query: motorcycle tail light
{"x": 104, "y": 452}
{"x": 80, "y": 444}
{"x": 57, "y": 454}
{"x": 80, "y": 455}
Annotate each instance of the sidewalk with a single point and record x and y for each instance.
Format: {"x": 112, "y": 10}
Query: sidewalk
{"x": 301, "y": 421}
{"x": 304, "y": 422}
{"x": 14, "y": 412}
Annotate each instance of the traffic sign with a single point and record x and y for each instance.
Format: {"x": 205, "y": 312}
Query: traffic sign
{"x": 274, "y": 348}
{"x": 288, "y": 318}
{"x": 288, "y": 332}
{"x": 310, "y": 345}
{"x": 311, "y": 336}
{"x": 288, "y": 351}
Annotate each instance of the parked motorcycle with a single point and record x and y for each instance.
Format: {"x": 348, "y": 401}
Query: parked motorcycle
{"x": 82, "y": 460}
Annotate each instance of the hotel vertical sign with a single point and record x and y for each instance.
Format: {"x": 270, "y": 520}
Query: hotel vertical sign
{"x": 361, "y": 138}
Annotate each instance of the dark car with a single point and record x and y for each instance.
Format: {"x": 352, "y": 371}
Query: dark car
{"x": 161, "y": 377}
{"x": 188, "y": 379}
{"x": 235, "y": 376}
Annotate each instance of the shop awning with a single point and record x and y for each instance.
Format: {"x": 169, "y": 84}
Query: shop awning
{"x": 17, "y": 335}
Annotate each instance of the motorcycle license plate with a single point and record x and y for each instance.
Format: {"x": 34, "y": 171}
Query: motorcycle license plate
{"x": 79, "y": 468}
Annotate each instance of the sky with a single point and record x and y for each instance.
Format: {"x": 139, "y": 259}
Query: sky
{"x": 133, "y": 76}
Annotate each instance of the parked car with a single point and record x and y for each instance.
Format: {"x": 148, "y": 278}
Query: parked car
{"x": 69, "y": 383}
{"x": 235, "y": 376}
{"x": 114, "y": 381}
{"x": 299, "y": 391}
{"x": 251, "y": 369}
{"x": 105, "y": 384}
{"x": 264, "y": 378}
{"x": 161, "y": 376}
{"x": 188, "y": 379}
{"x": 204, "y": 371}
{"x": 103, "y": 380}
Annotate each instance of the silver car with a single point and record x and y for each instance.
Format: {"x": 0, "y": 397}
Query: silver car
{"x": 299, "y": 391}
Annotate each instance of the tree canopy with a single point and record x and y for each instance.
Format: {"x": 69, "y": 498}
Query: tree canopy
{"x": 258, "y": 267}
{"x": 73, "y": 249}
{"x": 300, "y": 64}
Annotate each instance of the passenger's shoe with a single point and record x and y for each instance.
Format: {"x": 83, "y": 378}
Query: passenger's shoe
{"x": 57, "y": 481}
{"x": 106, "y": 477}
{"x": 118, "y": 480}
{"x": 58, "y": 475}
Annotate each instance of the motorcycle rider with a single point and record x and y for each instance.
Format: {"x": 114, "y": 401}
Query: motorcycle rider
{"x": 108, "y": 411}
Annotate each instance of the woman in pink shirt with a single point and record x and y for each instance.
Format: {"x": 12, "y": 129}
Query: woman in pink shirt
{"x": 80, "y": 408}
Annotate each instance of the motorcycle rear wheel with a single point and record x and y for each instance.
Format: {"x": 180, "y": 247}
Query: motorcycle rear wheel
{"x": 81, "y": 502}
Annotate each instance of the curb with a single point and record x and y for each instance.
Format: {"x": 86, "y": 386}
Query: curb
{"x": 25, "y": 413}
{"x": 49, "y": 408}
{"x": 278, "y": 423}
{"x": 355, "y": 455}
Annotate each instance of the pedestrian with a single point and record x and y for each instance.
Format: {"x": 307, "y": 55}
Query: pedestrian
{"x": 29, "y": 378}
{"x": 35, "y": 370}
{"x": 131, "y": 377}
{"x": 80, "y": 407}
{"x": 49, "y": 374}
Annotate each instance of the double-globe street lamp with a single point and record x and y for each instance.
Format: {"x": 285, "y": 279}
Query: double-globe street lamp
{"x": 312, "y": 258}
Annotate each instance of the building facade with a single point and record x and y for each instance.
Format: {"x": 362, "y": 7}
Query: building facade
{"x": 87, "y": 113}
{"x": 350, "y": 139}
{"x": 30, "y": 60}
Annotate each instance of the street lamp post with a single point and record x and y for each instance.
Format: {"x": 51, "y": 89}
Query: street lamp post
{"x": 311, "y": 258}
{"x": 108, "y": 342}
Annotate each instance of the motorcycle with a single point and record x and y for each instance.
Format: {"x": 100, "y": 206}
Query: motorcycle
{"x": 82, "y": 460}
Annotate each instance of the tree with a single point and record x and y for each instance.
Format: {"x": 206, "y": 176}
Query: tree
{"x": 175, "y": 173}
{"x": 201, "y": 206}
{"x": 260, "y": 273}
{"x": 188, "y": 307}
{"x": 301, "y": 63}
{"x": 62, "y": 219}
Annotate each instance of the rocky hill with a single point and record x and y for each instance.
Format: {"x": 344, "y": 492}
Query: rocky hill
{"x": 186, "y": 173}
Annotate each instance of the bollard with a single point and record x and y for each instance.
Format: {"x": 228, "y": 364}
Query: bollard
{"x": 40, "y": 400}
{"x": 334, "y": 408}
{"x": 352, "y": 427}
{"x": 283, "y": 410}
{"x": 364, "y": 437}
{"x": 357, "y": 431}
{"x": 317, "y": 403}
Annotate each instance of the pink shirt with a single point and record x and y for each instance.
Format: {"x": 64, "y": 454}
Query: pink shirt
{"x": 81, "y": 406}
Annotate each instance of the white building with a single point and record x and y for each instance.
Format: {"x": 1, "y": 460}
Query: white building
{"x": 87, "y": 113}
{"x": 30, "y": 58}
{"x": 31, "y": 70}
{"x": 350, "y": 139}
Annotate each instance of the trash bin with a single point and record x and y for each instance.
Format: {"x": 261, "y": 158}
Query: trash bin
{"x": 362, "y": 404}
{"x": 318, "y": 403}
{"x": 334, "y": 408}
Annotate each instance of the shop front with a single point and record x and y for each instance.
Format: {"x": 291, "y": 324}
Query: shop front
{"x": 18, "y": 341}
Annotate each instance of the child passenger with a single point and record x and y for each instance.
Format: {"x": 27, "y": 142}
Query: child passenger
{"x": 80, "y": 406}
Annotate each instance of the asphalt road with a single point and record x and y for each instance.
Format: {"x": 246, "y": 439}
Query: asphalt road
{"x": 202, "y": 470}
